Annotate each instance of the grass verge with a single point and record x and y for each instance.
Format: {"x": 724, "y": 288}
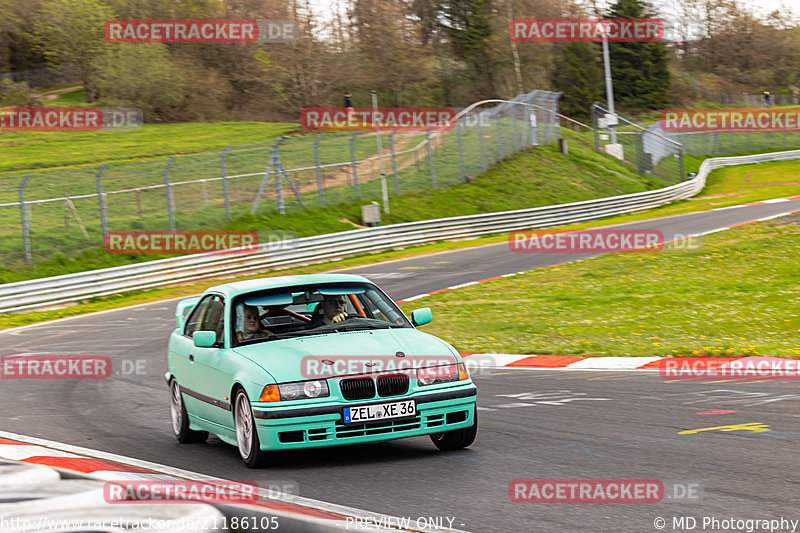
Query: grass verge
{"x": 737, "y": 295}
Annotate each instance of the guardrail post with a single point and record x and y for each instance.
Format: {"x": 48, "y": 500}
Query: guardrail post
{"x": 320, "y": 185}
{"x": 25, "y": 238}
{"x": 460, "y": 151}
{"x": 101, "y": 199}
{"x": 170, "y": 206}
{"x": 481, "y": 143}
{"x": 394, "y": 162}
{"x": 430, "y": 157}
{"x": 353, "y": 160}
{"x": 499, "y": 136}
{"x": 224, "y": 172}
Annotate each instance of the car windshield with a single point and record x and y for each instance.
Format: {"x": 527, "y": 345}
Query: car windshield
{"x": 312, "y": 310}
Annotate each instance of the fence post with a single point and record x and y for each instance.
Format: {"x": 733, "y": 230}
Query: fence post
{"x": 480, "y": 137}
{"x": 682, "y": 163}
{"x": 514, "y": 123}
{"x": 101, "y": 199}
{"x": 224, "y": 171}
{"x": 170, "y": 207}
{"x": 499, "y": 136}
{"x": 320, "y": 185}
{"x": 394, "y": 162}
{"x": 430, "y": 158}
{"x": 460, "y": 151}
{"x": 278, "y": 183}
{"x": 274, "y": 161}
{"x": 25, "y": 238}
{"x": 353, "y": 160}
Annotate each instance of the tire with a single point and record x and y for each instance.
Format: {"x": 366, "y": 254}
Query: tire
{"x": 179, "y": 418}
{"x": 246, "y": 433}
{"x": 456, "y": 439}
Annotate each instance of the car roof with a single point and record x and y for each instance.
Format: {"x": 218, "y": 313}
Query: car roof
{"x": 275, "y": 282}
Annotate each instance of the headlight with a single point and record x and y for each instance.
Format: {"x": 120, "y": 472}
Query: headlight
{"x": 301, "y": 390}
{"x": 442, "y": 374}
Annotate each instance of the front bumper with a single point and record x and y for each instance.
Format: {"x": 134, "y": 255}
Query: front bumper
{"x": 442, "y": 410}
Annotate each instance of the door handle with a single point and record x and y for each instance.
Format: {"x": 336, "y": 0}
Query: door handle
{"x": 191, "y": 357}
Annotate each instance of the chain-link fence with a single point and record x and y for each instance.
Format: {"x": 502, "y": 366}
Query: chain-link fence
{"x": 731, "y": 142}
{"x": 46, "y": 214}
{"x": 650, "y": 153}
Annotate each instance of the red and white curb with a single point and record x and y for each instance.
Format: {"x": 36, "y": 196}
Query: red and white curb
{"x": 724, "y": 228}
{"x": 105, "y": 466}
{"x": 479, "y": 361}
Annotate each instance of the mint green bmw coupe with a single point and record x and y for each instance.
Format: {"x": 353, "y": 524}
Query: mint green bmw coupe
{"x": 297, "y": 362}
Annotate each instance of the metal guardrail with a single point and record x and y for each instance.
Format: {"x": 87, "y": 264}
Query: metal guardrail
{"x": 71, "y": 288}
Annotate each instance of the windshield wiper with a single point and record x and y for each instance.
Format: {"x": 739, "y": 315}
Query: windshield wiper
{"x": 362, "y": 327}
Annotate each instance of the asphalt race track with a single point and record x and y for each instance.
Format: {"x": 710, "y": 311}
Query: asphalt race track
{"x": 534, "y": 424}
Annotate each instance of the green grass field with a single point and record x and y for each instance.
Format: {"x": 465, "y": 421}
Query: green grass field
{"x": 737, "y": 295}
{"x": 21, "y": 152}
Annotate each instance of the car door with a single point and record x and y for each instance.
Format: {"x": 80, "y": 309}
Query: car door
{"x": 183, "y": 358}
{"x": 194, "y": 365}
{"x": 211, "y": 367}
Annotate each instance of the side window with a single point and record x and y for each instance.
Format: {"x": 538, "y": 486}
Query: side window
{"x": 208, "y": 315}
{"x": 380, "y": 309}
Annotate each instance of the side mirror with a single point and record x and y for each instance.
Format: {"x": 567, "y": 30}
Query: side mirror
{"x": 204, "y": 339}
{"x": 421, "y": 316}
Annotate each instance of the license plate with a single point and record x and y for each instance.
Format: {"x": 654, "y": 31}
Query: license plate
{"x": 381, "y": 411}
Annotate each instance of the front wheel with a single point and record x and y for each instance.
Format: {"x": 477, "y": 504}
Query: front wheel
{"x": 179, "y": 418}
{"x": 246, "y": 433}
{"x": 458, "y": 438}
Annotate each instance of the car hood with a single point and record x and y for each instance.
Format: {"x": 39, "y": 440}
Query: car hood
{"x": 302, "y": 358}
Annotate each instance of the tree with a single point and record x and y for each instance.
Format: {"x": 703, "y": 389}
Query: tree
{"x": 392, "y": 57}
{"x": 71, "y": 31}
{"x": 639, "y": 70}
{"x": 468, "y": 24}
{"x": 579, "y": 77}
{"x": 140, "y": 75}
{"x": 16, "y": 52}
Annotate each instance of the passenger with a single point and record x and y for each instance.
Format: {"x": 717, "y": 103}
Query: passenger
{"x": 252, "y": 324}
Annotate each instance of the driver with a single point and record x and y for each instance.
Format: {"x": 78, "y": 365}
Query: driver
{"x": 334, "y": 309}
